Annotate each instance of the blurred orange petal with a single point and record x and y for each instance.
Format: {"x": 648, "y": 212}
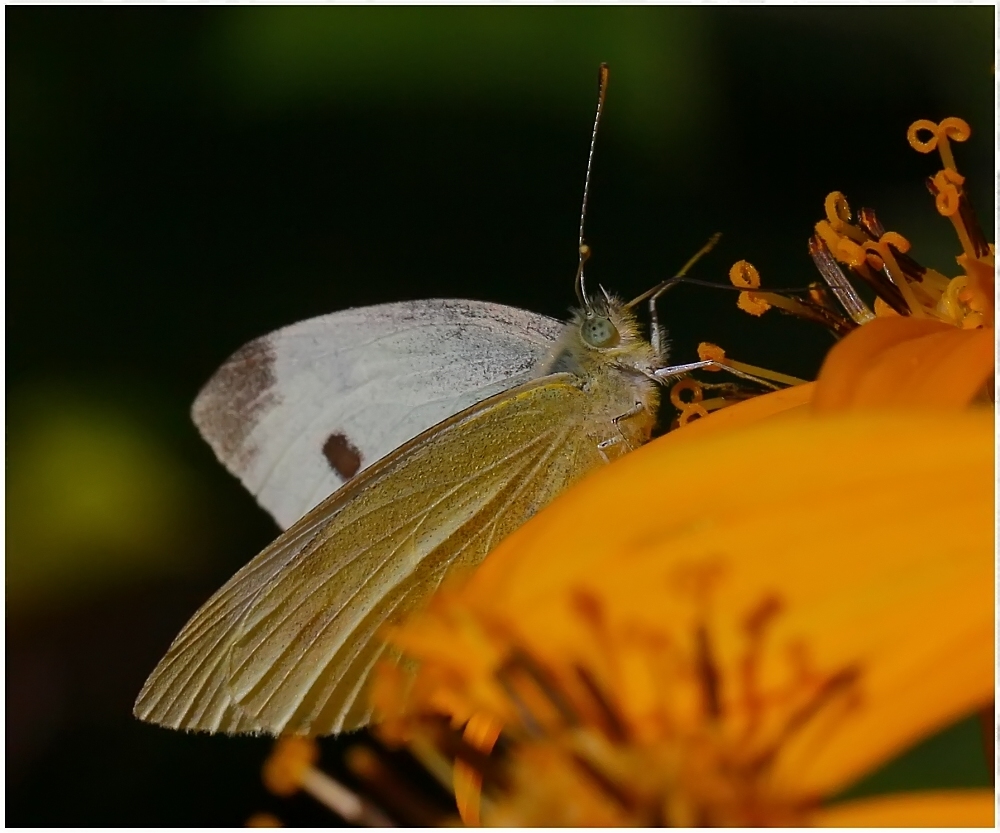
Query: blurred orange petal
{"x": 951, "y": 808}
{"x": 899, "y": 362}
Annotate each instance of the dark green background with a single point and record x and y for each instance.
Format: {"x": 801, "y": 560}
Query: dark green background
{"x": 182, "y": 180}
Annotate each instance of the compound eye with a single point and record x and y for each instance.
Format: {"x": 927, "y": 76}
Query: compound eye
{"x": 599, "y": 332}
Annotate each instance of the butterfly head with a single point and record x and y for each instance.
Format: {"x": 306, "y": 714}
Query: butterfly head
{"x": 604, "y": 335}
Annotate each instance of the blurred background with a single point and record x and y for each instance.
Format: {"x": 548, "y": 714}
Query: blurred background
{"x": 182, "y": 180}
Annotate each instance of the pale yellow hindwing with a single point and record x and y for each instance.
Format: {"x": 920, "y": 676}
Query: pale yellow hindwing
{"x": 289, "y": 642}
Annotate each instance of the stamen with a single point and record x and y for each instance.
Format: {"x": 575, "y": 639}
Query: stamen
{"x": 290, "y": 768}
{"x": 481, "y": 733}
{"x": 743, "y": 274}
{"x": 405, "y": 801}
{"x": 614, "y": 791}
{"x": 425, "y": 751}
{"x": 613, "y": 723}
{"x": 881, "y": 256}
{"x": 529, "y": 712}
{"x": 753, "y": 303}
{"x": 838, "y": 215}
{"x": 712, "y": 352}
{"x": 950, "y": 128}
{"x": 950, "y": 201}
{"x": 838, "y": 282}
{"x": 708, "y": 673}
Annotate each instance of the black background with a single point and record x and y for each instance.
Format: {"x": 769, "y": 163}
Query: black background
{"x": 182, "y": 180}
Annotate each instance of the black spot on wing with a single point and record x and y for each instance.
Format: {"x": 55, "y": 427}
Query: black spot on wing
{"x": 342, "y": 455}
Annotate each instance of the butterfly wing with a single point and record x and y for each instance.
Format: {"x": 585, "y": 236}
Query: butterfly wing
{"x": 289, "y": 642}
{"x": 296, "y": 413}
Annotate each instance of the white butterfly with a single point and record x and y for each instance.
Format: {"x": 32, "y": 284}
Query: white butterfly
{"x": 516, "y": 408}
{"x": 411, "y": 438}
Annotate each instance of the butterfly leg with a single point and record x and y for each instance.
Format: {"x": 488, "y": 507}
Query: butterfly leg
{"x": 657, "y": 333}
{"x": 635, "y": 410}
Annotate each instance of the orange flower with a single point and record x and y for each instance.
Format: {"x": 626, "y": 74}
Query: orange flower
{"x": 737, "y": 621}
{"x": 773, "y": 622}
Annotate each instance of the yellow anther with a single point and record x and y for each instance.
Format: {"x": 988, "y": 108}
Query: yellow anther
{"x": 744, "y": 275}
{"x": 838, "y": 212}
{"x": 838, "y": 215}
{"x": 922, "y": 126}
{"x": 949, "y": 195}
{"x": 752, "y": 303}
{"x": 952, "y": 128}
{"x": 288, "y": 764}
{"x": 896, "y": 240}
{"x": 709, "y": 352}
{"x": 682, "y": 387}
{"x": 842, "y": 248}
{"x": 956, "y": 129}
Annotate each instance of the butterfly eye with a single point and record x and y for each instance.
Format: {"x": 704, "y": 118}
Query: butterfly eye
{"x": 599, "y": 332}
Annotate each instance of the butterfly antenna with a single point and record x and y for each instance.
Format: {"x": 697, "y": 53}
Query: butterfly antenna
{"x": 662, "y": 287}
{"x": 584, "y": 249}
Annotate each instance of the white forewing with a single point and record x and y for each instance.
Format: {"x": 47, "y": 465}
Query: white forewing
{"x": 296, "y": 413}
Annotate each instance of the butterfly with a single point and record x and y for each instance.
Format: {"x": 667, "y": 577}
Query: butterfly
{"x": 396, "y": 444}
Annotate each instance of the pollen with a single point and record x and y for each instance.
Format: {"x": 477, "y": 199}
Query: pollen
{"x": 709, "y": 352}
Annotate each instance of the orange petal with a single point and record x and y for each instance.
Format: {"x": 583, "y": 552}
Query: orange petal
{"x": 947, "y": 808}
{"x": 903, "y": 362}
{"x": 481, "y": 732}
{"x": 743, "y": 413}
{"x": 882, "y": 557}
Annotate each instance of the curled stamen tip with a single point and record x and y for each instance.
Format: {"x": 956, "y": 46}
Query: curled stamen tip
{"x": 896, "y": 240}
{"x": 744, "y": 275}
{"x": 288, "y": 763}
{"x": 838, "y": 212}
{"x": 956, "y": 129}
{"x": 692, "y": 412}
{"x": 686, "y": 386}
{"x": 947, "y": 197}
{"x": 952, "y": 128}
{"x": 752, "y": 303}
{"x": 922, "y": 126}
